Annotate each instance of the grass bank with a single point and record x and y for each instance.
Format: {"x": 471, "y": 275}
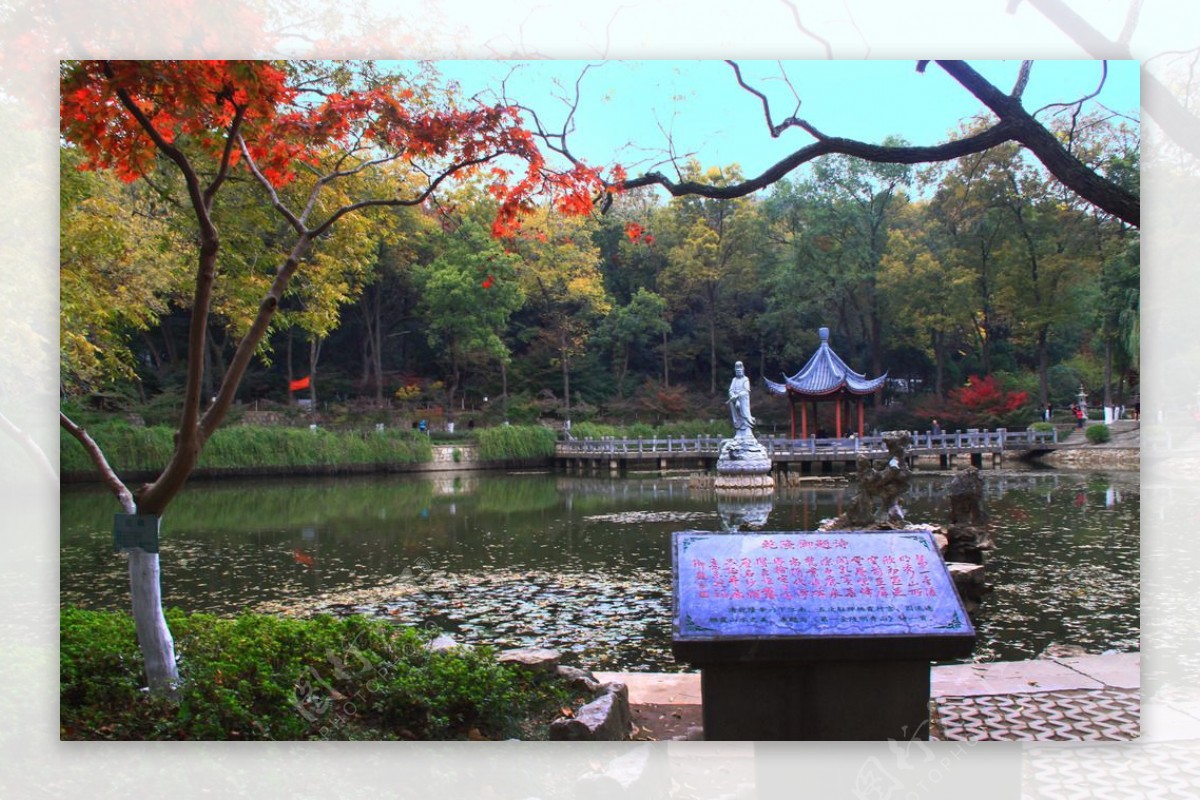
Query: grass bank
{"x": 145, "y": 448}
{"x": 261, "y": 677}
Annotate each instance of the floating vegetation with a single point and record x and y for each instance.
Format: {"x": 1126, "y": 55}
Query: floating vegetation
{"x": 606, "y": 622}
{"x": 631, "y": 518}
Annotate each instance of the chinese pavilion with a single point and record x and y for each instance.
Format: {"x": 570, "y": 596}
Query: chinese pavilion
{"x": 825, "y": 378}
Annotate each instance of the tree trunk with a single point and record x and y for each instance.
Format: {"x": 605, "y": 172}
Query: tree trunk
{"x": 504, "y": 387}
{"x": 290, "y": 374}
{"x": 154, "y": 637}
{"x": 623, "y": 371}
{"x": 566, "y": 371}
{"x": 1108, "y": 363}
{"x": 314, "y": 355}
{"x": 938, "y": 340}
{"x": 666, "y": 364}
{"x": 712, "y": 352}
{"x": 377, "y": 349}
{"x": 1043, "y": 356}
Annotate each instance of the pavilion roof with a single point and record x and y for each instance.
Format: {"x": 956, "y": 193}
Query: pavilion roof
{"x": 826, "y": 374}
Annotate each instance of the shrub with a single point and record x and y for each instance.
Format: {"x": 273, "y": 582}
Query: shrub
{"x": 1097, "y": 433}
{"x": 516, "y": 442}
{"x": 595, "y": 431}
{"x": 1041, "y": 425}
{"x": 264, "y": 677}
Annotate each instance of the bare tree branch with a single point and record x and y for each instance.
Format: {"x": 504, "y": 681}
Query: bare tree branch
{"x": 1022, "y": 80}
{"x": 1065, "y": 167}
{"x": 775, "y": 130}
{"x": 107, "y": 474}
{"x": 1014, "y": 124}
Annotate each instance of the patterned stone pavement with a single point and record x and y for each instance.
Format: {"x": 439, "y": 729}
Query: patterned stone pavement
{"x": 1087, "y": 698}
{"x": 1081, "y": 698}
{"x": 1105, "y": 714}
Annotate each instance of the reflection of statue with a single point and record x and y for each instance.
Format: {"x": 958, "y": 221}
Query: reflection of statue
{"x": 743, "y": 514}
{"x": 739, "y": 402}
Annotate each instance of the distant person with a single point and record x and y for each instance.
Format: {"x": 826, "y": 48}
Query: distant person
{"x": 422, "y": 426}
{"x": 936, "y": 428}
{"x": 1077, "y": 410}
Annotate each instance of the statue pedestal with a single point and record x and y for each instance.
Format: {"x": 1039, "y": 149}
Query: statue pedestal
{"x": 744, "y": 467}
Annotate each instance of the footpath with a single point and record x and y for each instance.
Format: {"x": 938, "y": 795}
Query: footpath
{"x": 1070, "y": 698}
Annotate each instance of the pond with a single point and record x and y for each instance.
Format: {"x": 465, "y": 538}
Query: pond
{"x": 582, "y": 564}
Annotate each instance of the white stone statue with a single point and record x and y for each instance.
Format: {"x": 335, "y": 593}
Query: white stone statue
{"x": 739, "y": 403}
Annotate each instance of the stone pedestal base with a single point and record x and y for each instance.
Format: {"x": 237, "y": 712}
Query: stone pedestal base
{"x": 834, "y": 700}
{"x": 743, "y": 467}
{"x": 744, "y": 482}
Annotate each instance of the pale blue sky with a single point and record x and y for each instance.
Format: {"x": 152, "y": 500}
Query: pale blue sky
{"x": 630, "y": 107}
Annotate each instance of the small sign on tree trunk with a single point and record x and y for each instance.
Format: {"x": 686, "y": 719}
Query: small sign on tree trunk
{"x": 136, "y": 531}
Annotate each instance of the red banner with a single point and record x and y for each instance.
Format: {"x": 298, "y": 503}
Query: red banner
{"x": 299, "y": 383}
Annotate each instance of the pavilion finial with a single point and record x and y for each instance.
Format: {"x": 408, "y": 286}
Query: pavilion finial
{"x": 824, "y": 333}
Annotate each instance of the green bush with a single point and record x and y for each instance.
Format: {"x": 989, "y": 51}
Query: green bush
{"x": 1097, "y": 433}
{"x": 595, "y": 431}
{"x": 1041, "y": 425}
{"x": 262, "y": 677}
{"x": 516, "y": 442}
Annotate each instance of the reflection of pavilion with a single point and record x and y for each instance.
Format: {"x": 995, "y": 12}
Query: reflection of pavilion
{"x": 825, "y": 378}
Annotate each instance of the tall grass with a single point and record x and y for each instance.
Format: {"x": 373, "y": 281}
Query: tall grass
{"x": 133, "y": 448}
{"x": 516, "y": 442}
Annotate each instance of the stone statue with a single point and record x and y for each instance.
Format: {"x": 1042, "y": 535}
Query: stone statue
{"x": 739, "y": 402}
{"x": 743, "y": 464}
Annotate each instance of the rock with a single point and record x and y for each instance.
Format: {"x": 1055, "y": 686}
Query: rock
{"x": 966, "y": 497}
{"x": 579, "y": 678}
{"x": 969, "y": 579}
{"x": 444, "y": 642}
{"x": 942, "y": 541}
{"x": 1060, "y": 651}
{"x": 606, "y": 718}
{"x": 534, "y": 659}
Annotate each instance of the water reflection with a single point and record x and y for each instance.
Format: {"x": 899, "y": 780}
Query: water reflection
{"x": 583, "y": 564}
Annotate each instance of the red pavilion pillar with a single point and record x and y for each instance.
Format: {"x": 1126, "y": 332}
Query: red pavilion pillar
{"x": 838, "y": 418}
{"x": 860, "y": 416}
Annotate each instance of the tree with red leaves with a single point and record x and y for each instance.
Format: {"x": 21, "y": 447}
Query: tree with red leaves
{"x": 980, "y": 402}
{"x": 323, "y": 130}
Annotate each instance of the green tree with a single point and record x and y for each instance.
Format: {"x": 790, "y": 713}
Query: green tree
{"x": 120, "y": 268}
{"x": 467, "y": 294}
{"x": 711, "y": 254}
{"x": 634, "y": 326}
{"x": 561, "y": 279}
{"x": 929, "y": 295}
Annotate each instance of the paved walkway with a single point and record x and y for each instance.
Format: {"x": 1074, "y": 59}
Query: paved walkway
{"x": 1081, "y": 698}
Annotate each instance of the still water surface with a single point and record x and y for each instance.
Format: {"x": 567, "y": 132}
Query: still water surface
{"x": 583, "y": 564}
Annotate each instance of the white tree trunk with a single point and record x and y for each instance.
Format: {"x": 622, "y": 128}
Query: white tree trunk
{"x": 158, "y": 647}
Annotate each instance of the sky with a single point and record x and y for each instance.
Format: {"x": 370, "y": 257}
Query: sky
{"x": 633, "y": 112}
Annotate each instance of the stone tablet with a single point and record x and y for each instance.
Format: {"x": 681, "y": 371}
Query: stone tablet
{"x": 792, "y": 595}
